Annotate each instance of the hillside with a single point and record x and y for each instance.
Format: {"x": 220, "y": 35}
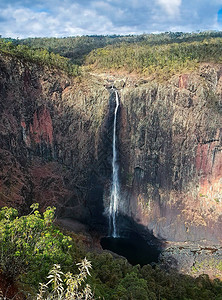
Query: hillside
{"x": 77, "y": 48}
{"x": 160, "y": 61}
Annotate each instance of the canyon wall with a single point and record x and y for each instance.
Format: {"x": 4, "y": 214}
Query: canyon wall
{"x": 56, "y": 137}
{"x": 170, "y": 142}
{"x": 50, "y": 127}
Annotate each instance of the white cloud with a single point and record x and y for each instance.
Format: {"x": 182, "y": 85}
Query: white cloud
{"x": 68, "y": 20}
{"x": 172, "y": 7}
{"x": 80, "y": 17}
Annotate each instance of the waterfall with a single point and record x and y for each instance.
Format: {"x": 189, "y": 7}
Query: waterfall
{"x": 114, "y": 199}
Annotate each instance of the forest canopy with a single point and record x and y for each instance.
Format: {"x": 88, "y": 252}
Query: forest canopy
{"x": 146, "y": 54}
{"x": 76, "y": 48}
{"x": 39, "y": 56}
{"x": 160, "y": 59}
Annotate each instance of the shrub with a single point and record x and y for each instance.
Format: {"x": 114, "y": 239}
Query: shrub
{"x": 73, "y": 284}
{"x": 31, "y": 244}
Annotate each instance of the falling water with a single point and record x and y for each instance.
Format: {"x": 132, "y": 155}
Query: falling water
{"x": 114, "y": 201}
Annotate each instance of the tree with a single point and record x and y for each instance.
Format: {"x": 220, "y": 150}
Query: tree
{"x": 31, "y": 244}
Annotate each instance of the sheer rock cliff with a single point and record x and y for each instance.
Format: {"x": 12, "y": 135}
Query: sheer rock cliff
{"x": 56, "y": 137}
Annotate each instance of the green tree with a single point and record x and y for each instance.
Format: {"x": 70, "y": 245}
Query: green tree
{"x": 30, "y": 245}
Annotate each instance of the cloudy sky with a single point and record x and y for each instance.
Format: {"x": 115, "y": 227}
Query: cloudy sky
{"x": 39, "y": 18}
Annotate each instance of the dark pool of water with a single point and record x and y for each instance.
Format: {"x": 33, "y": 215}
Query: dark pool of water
{"x": 135, "y": 249}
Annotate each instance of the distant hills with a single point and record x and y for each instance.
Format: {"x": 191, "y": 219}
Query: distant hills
{"x": 164, "y": 53}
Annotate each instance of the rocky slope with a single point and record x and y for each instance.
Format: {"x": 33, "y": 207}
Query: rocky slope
{"x": 55, "y": 148}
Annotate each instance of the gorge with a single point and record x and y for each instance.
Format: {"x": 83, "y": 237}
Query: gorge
{"x": 56, "y": 137}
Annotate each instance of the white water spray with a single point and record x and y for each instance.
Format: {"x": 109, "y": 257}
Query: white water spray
{"x": 114, "y": 201}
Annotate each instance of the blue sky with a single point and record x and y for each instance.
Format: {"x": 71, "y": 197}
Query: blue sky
{"x": 41, "y": 18}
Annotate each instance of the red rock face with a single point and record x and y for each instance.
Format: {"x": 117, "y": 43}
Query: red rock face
{"x": 42, "y": 128}
{"x": 209, "y": 162}
{"x": 209, "y": 167}
{"x": 15, "y": 183}
{"x": 49, "y": 187}
{"x": 26, "y": 138}
{"x": 47, "y": 136}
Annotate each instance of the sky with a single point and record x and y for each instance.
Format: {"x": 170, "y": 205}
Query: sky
{"x": 47, "y": 18}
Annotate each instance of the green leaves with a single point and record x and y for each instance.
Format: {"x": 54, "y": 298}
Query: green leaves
{"x": 7, "y": 214}
{"x": 49, "y": 215}
{"x": 31, "y": 244}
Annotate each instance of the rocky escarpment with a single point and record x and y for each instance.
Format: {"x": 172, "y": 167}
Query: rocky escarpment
{"x": 171, "y": 141}
{"x": 55, "y": 148}
{"x": 49, "y": 130}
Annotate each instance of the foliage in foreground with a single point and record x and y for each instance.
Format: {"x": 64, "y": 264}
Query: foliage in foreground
{"x": 39, "y": 56}
{"x": 30, "y": 245}
{"x": 73, "y": 284}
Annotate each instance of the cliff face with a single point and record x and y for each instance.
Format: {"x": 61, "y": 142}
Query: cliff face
{"x": 171, "y": 146}
{"x": 56, "y": 137}
{"x": 49, "y": 129}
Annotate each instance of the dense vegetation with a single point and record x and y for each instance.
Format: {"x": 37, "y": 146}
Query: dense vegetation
{"x": 116, "y": 279}
{"x": 31, "y": 244}
{"x": 39, "y": 56}
{"x": 32, "y": 247}
{"x": 161, "y": 54}
{"x": 161, "y": 60}
{"x": 76, "y": 48}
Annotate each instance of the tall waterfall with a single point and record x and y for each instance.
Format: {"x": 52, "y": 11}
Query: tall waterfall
{"x": 114, "y": 201}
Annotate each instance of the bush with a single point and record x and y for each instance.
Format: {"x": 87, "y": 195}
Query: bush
{"x": 31, "y": 244}
{"x": 73, "y": 284}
